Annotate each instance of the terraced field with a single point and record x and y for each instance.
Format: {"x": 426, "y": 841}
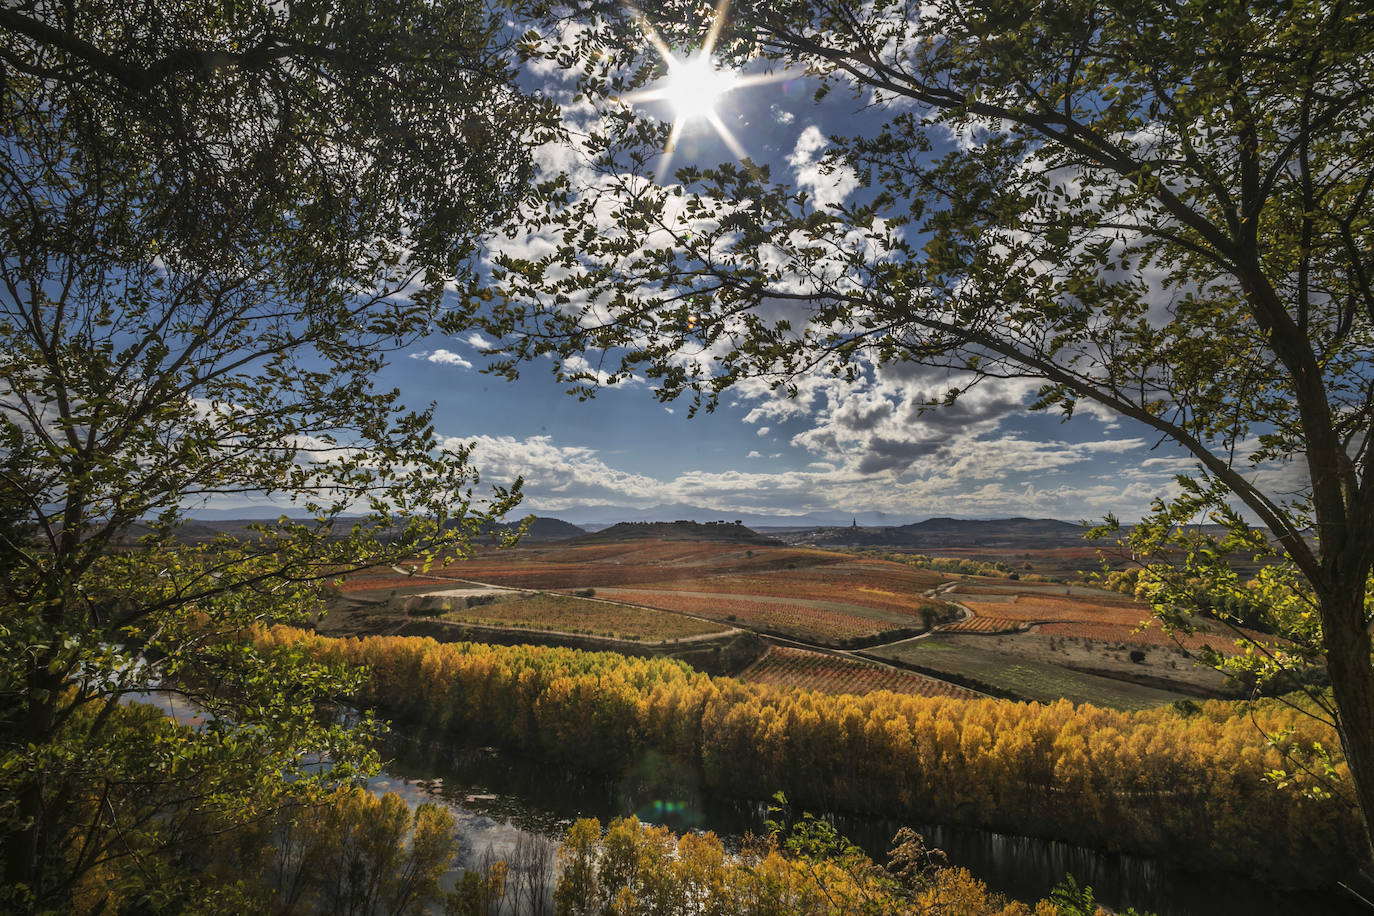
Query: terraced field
{"x": 785, "y": 667}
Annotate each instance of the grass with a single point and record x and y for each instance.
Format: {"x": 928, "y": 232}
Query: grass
{"x": 1026, "y": 678}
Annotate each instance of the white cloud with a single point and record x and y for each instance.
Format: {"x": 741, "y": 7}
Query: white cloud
{"x": 581, "y": 366}
{"x": 754, "y": 453}
{"x": 559, "y": 477}
{"x": 444, "y": 358}
{"x": 477, "y": 341}
{"x": 827, "y": 184}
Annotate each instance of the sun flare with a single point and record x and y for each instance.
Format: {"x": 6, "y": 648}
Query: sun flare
{"x": 695, "y": 86}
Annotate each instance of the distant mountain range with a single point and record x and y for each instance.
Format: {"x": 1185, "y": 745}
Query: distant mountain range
{"x": 678, "y": 531}
{"x": 593, "y": 517}
{"x": 205, "y": 525}
{"x": 950, "y": 532}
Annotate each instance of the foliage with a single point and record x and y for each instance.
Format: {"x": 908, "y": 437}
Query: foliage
{"x": 634, "y": 869}
{"x": 215, "y": 219}
{"x": 1127, "y": 781}
{"x": 353, "y": 852}
{"x": 958, "y": 565}
{"x": 1157, "y": 209}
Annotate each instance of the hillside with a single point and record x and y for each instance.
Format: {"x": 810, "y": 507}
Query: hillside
{"x": 1008, "y": 533}
{"x": 540, "y": 529}
{"x": 677, "y": 531}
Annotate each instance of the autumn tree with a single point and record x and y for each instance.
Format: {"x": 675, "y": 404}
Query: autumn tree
{"x": 215, "y": 221}
{"x": 1159, "y": 209}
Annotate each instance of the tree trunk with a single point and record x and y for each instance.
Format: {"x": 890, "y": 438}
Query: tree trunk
{"x": 1352, "y": 683}
{"x": 25, "y": 843}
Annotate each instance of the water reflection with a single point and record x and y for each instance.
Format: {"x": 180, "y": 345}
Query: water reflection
{"x": 497, "y": 795}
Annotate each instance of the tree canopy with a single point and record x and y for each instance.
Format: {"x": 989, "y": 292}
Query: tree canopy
{"x": 215, "y": 221}
{"x": 1158, "y": 208}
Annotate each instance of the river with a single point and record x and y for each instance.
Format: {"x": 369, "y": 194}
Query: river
{"x": 497, "y": 796}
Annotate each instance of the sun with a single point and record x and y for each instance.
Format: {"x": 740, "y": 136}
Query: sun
{"x": 695, "y": 85}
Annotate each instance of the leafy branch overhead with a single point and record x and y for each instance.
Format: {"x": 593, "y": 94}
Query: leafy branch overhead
{"x": 1159, "y": 209}
{"x": 216, "y": 222}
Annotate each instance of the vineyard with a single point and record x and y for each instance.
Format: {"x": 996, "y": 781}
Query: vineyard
{"x": 386, "y": 581}
{"x": 1027, "y": 639}
{"x": 1079, "y": 612}
{"x": 982, "y": 623}
{"x": 826, "y": 622}
{"x": 785, "y": 667}
{"x": 870, "y": 586}
{"x": 564, "y": 613}
{"x": 635, "y": 562}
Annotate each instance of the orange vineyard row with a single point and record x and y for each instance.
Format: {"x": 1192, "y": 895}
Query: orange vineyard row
{"x": 783, "y": 667}
{"x": 813, "y": 622}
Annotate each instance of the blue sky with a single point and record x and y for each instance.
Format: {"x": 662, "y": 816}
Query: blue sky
{"x": 838, "y": 449}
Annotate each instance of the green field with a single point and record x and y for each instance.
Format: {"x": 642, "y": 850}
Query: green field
{"x": 1020, "y": 676}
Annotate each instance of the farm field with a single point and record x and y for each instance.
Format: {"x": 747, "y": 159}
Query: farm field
{"x": 631, "y": 562}
{"x": 831, "y": 623}
{"x": 568, "y": 614}
{"x": 386, "y": 580}
{"x": 1028, "y": 639}
{"x": 786, "y": 667}
{"x": 814, "y": 595}
{"x": 873, "y": 585}
{"x": 1022, "y": 674}
{"x": 1073, "y": 611}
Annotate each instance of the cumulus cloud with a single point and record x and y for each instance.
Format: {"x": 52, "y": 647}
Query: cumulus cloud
{"x": 444, "y": 358}
{"x": 981, "y": 478}
{"x": 827, "y": 185}
{"x": 552, "y": 472}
